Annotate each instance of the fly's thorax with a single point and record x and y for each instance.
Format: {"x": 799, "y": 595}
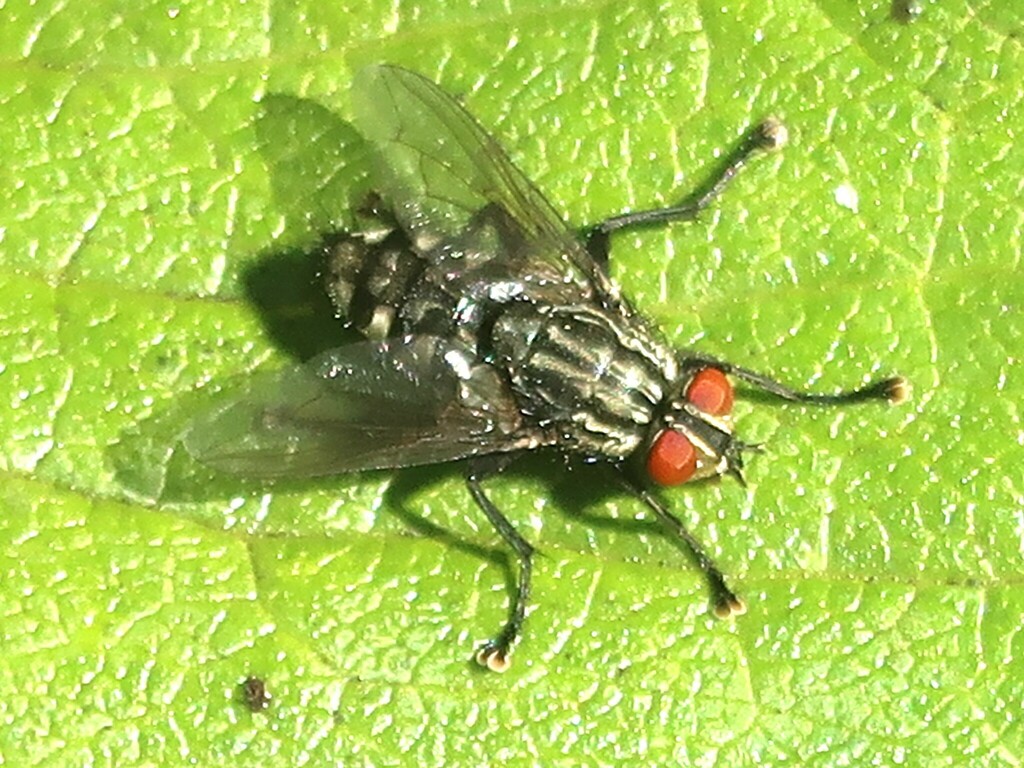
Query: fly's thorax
{"x": 592, "y": 376}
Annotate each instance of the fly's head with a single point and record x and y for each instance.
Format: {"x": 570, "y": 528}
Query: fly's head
{"x": 693, "y": 438}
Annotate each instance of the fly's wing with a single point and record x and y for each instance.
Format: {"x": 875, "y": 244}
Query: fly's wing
{"x": 402, "y": 402}
{"x": 465, "y": 206}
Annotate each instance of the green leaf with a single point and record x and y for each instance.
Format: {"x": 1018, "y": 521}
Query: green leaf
{"x": 167, "y": 171}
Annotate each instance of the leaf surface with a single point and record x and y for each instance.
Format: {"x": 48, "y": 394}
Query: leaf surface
{"x": 167, "y": 172}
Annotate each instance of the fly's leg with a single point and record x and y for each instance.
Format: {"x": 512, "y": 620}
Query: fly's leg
{"x": 895, "y": 389}
{"x": 725, "y": 601}
{"x": 495, "y": 653}
{"x": 770, "y": 134}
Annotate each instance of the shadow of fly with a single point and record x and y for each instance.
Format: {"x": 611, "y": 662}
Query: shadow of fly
{"x": 491, "y": 330}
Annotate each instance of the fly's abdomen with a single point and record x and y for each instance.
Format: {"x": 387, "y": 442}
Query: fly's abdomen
{"x": 370, "y": 279}
{"x": 384, "y": 287}
{"x": 589, "y": 375}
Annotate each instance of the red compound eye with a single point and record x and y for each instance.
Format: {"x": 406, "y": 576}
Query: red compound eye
{"x": 672, "y": 459}
{"x": 711, "y": 392}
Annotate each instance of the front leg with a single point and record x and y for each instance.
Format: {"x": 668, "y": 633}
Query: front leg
{"x": 726, "y": 602}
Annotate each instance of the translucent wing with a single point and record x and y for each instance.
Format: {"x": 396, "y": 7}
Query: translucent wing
{"x": 402, "y": 402}
{"x": 459, "y": 197}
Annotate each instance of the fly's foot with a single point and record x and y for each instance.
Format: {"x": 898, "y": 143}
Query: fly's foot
{"x": 896, "y": 390}
{"x": 731, "y": 605}
{"x": 771, "y": 134}
{"x": 495, "y": 655}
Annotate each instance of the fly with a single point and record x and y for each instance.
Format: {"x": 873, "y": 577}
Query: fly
{"x": 490, "y": 330}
